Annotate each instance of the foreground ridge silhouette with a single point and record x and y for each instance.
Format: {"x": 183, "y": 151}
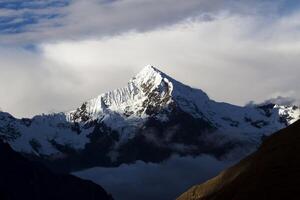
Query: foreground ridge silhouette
{"x": 272, "y": 172}
{"x": 23, "y": 179}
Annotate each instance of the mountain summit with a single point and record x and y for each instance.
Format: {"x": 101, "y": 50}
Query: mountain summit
{"x": 151, "y": 118}
{"x": 149, "y": 91}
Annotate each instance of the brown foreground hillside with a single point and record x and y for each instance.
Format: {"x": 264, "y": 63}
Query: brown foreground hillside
{"x": 271, "y": 173}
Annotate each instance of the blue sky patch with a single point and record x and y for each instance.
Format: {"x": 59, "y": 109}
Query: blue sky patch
{"x": 32, "y": 4}
{"x": 21, "y": 22}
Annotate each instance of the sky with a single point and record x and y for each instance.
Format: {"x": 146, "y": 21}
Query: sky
{"x": 55, "y": 54}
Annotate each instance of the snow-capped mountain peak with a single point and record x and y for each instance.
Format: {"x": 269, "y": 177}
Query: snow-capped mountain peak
{"x": 150, "y": 90}
{"x": 152, "y": 113}
{"x": 149, "y": 84}
{"x": 154, "y": 93}
{"x": 147, "y": 74}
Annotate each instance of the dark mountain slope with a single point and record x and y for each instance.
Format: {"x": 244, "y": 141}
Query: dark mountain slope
{"x": 271, "y": 173}
{"x": 22, "y": 179}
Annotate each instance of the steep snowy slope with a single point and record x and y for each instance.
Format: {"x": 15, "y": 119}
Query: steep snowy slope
{"x": 151, "y": 118}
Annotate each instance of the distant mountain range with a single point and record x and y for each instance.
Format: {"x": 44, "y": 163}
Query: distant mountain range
{"x": 272, "y": 172}
{"x": 22, "y": 179}
{"x": 150, "y": 119}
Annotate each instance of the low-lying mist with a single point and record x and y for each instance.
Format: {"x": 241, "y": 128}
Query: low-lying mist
{"x": 148, "y": 181}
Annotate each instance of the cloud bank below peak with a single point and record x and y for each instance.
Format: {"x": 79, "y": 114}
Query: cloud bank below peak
{"x": 163, "y": 181}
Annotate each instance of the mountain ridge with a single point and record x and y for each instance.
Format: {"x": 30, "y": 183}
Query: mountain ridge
{"x": 272, "y": 172}
{"x": 150, "y": 119}
{"x": 146, "y": 84}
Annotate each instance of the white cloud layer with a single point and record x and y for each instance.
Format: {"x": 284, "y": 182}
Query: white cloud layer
{"x": 234, "y": 57}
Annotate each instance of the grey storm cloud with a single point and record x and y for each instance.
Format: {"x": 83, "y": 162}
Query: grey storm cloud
{"x": 76, "y": 19}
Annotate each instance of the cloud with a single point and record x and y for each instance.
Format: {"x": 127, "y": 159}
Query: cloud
{"x": 280, "y": 101}
{"x": 81, "y": 19}
{"x": 163, "y": 181}
{"x": 18, "y": 17}
{"x": 234, "y": 58}
{"x": 235, "y": 52}
{"x": 254, "y": 61}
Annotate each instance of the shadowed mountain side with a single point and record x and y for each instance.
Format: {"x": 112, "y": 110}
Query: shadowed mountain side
{"x": 272, "y": 172}
{"x": 22, "y": 179}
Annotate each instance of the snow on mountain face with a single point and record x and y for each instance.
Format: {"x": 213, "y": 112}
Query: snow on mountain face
{"x": 40, "y": 134}
{"x": 149, "y": 91}
{"x": 149, "y": 119}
